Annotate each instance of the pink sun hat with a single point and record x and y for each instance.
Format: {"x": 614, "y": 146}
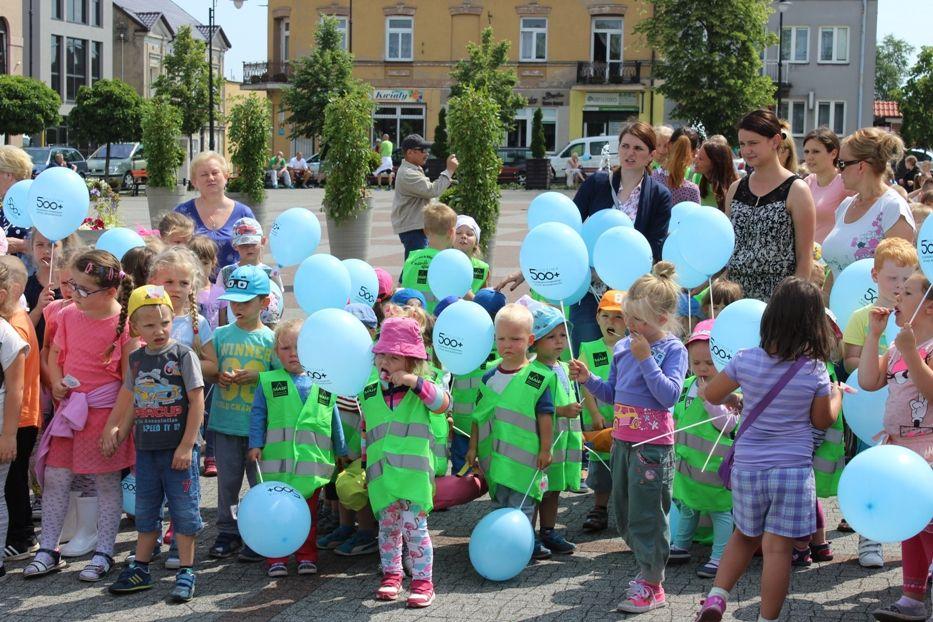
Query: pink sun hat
{"x": 401, "y": 336}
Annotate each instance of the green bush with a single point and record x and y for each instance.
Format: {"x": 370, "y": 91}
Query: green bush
{"x": 161, "y": 128}
{"x": 250, "y": 129}
{"x": 538, "y": 148}
{"x": 347, "y": 121}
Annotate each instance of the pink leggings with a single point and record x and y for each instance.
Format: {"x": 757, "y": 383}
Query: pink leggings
{"x": 916, "y": 555}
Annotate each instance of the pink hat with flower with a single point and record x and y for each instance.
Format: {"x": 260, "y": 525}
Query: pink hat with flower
{"x": 701, "y": 332}
{"x": 401, "y": 336}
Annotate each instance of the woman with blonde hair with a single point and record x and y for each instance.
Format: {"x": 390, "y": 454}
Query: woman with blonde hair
{"x": 213, "y": 212}
{"x": 673, "y": 175}
{"x": 15, "y": 165}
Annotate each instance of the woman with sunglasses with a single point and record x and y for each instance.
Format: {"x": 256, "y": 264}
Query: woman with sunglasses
{"x": 876, "y": 211}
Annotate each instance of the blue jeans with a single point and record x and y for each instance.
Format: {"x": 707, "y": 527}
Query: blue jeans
{"x": 459, "y": 445}
{"x": 157, "y": 480}
{"x": 413, "y": 240}
{"x": 585, "y": 328}
{"x": 690, "y": 518}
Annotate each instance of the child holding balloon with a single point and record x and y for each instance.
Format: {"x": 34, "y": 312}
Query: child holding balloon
{"x": 466, "y": 239}
{"x": 163, "y": 395}
{"x": 645, "y": 381}
{"x": 398, "y": 410}
{"x": 440, "y": 223}
{"x": 908, "y": 420}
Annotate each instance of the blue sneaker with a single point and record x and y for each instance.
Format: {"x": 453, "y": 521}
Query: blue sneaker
{"x": 540, "y": 551}
{"x": 360, "y": 543}
{"x": 184, "y": 586}
{"x": 556, "y": 542}
{"x": 132, "y": 579}
{"x": 336, "y": 537}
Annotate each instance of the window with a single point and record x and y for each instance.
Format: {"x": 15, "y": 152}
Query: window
{"x": 77, "y": 11}
{"x": 56, "y": 9}
{"x": 342, "y": 28}
{"x": 794, "y": 111}
{"x": 533, "y": 39}
{"x": 831, "y": 114}
{"x": 520, "y": 133}
{"x": 796, "y": 44}
{"x": 97, "y": 15}
{"x": 76, "y": 67}
{"x": 834, "y": 44}
{"x": 606, "y": 45}
{"x": 56, "y": 54}
{"x": 398, "y": 122}
{"x": 286, "y": 38}
{"x": 4, "y": 41}
{"x": 97, "y": 57}
{"x": 399, "y": 38}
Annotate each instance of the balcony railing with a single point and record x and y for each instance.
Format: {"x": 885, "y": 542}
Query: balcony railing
{"x": 266, "y": 72}
{"x": 770, "y": 68}
{"x": 613, "y": 72}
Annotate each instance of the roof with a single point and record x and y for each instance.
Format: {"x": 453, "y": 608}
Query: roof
{"x": 147, "y": 12}
{"x": 887, "y": 109}
{"x": 148, "y": 19}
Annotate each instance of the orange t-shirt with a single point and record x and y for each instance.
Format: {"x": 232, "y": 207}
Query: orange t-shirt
{"x": 31, "y": 415}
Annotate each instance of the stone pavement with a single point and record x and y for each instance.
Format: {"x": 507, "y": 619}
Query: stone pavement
{"x": 585, "y": 586}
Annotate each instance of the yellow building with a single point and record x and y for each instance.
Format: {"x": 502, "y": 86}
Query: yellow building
{"x": 579, "y": 60}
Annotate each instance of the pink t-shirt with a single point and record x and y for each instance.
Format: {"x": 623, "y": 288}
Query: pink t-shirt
{"x": 827, "y": 199}
{"x": 908, "y": 420}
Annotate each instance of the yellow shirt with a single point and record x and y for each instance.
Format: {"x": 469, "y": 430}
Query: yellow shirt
{"x": 857, "y": 330}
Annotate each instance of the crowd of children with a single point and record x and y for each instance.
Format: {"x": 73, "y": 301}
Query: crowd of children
{"x": 174, "y": 367}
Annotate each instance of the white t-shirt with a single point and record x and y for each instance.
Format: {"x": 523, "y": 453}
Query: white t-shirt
{"x": 11, "y": 344}
{"x": 297, "y": 164}
{"x": 182, "y": 333}
{"x": 849, "y": 242}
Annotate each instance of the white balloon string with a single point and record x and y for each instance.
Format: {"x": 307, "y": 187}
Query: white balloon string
{"x": 713, "y": 450}
{"x": 712, "y": 306}
{"x": 686, "y": 427}
{"x": 576, "y": 385}
{"x": 917, "y": 310}
{"x": 593, "y": 453}
{"x": 535, "y": 476}
{"x": 258, "y": 471}
{"x": 459, "y": 431}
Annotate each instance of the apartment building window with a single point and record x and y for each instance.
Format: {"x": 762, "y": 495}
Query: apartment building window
{"x": 533, "y": 39}
{"x": 4, "y": 41}
{"x": 97, "y": 59}
{"x": 77, "y": 11}
{"x": 796, "y": 40}
{"x": 76, "y": 67}
{"x": 56, "y": 54}
{"x": 97, "y": 12}
{"x": 399, "y": 38}
{"x": 834, "y": 44}
{"x": 56, "y": 9}
{"x": 286, "y": 38}
{"x": 795, "y": 111}
{"x": 831, "y": 114}
{"x": 606, "y": 44}
{"x": 342, "y": 27}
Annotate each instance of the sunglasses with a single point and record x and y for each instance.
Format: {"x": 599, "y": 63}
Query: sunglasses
{"x": 82, "y": 291}
{"x": 842, "y": 164}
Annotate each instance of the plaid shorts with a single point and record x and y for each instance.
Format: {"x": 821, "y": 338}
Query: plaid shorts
{"x": 781, "y": 501}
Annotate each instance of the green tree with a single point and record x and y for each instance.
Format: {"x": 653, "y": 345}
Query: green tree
{"x": 316, "y": 78}
{"x": 484, "y": 69}
{"x": 161, "y": 125}
{"x": 27, "y": 106}
{"x": 917, "y": 101}
{"x": 538, "y": 146}
{"x": 185, "y": 81}
{"x": 250, "y": 129}
{"x": 440, "y": 148}
{"x": 710, "y": 59}
{"x": 892, "y": 59}
{"x": 347, "y": 122}
{"x": 108, "y": 112}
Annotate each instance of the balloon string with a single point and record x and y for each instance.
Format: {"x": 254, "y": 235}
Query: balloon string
{"x": 595, "y": 454}
{"x": 686, "y": 427}
{"x": 712, "y": 305}
{"x": 917, "y": 310}
{"x": 535, "y": 476}
{"x": 576, "y": 385}
{"x": 258, "y": 471}
{"x": 713, "y": 449}
{"x": 459, "y": 431}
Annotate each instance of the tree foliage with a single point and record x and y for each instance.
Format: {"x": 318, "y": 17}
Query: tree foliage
{"x": 185, "y": 81}
{"x": 161, "y": 123}
{"x": 108, "y": 112}
{"x": 250, "y": 129}
{"x": 710, "y": 59}
{"x": 892, "y": 58}
{"x": 316, "y": 78}
{"x": 916, "y": 101}
{"x": 538, "y": 141}
{"x": 27, "y": 106}
{"x": 440, "y": 148}
{"x": 347, "y": 122}
{"x": 484, "y": 70}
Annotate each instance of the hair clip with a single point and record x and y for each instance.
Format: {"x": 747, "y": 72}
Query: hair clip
{"x": 89, "y": 268}
{"x": 122, "y": 275}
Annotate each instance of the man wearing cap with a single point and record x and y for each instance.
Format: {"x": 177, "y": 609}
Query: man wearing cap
{"x": 413, "y": 191}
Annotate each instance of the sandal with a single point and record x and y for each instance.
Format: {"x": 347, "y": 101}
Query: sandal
{"x": 38, "y": 568}
{"x": 97, "y": 568}
{"x": 597, "y": 519}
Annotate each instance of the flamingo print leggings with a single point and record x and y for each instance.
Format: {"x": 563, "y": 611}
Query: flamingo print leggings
{"x": 404, "y": 522}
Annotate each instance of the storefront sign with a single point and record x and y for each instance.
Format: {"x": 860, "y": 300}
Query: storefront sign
{"x": 548, "y": 99}
{"x": 399, "y": 96}
{"x": 612, "y": 101}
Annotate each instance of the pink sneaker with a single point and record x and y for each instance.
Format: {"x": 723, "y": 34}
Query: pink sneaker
{"x": 422, "y": 594}
{"x": 642, "y": 596}
{"x": 712, "y": 610}
{"x": 390, "y": 587}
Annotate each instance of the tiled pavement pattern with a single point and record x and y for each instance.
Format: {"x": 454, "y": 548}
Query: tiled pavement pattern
{"x": 585, "y": 586}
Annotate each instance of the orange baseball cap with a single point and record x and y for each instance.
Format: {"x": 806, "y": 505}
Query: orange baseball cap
{"x": 612, "y": 301}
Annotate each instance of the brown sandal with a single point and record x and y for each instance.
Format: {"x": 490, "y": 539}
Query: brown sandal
{"x": 597, "y": 519}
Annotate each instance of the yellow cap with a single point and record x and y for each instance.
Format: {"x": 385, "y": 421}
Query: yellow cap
{"x": 145, "y": 296}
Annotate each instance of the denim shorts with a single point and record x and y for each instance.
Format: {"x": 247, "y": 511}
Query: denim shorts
{"x": 157, "y": 480}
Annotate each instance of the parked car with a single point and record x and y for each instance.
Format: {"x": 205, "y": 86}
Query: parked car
{"x": 588, "y": 149}
{"x": 513, "y": 164}
{"x": 42, "y": 156}
{"x": 124, "y": 159}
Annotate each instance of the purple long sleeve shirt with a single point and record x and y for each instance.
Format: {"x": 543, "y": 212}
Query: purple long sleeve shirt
{"x": 654, "y": 383}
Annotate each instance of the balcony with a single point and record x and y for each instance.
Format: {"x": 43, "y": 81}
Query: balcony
{"x": 620, "y": 72}
{"x": 770, "y": 68}
{"x": 266, "y": 74}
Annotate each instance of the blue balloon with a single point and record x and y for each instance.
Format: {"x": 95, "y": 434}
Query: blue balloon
{"x": 294, "y": 236}
{"x": 15, "y": 204}
{"x": 710, "y": 240}
{"x": 450, "y": 273}
{"x": 574, "y": 298}
{"x": 599, "y": 223}
{"x": 686, "y": 276}
{"x": 129, "y": 494}
{"x": 273, "y": 519}
{"x": 886, "y": 493}
{"x": 501, "y": 544}
{"x": 553, "y": 260}
{"x": 119, "y": 240}
{"x": 322, "y": 282}
{"x": 925, "y": 247}
{"x": 679, "y": 212}
{"x": 364, "y": 284}
{"x": 864, "y": 410}
{"x": 737, "y": 327}
{"x": 463, "y": 337}
{"x": 58, "y": 202}
{"x": 621, "y": 256}
{"x": 336, "y": 350}
{"x": 554, "y": 207}
{"x": 853, "y": 289}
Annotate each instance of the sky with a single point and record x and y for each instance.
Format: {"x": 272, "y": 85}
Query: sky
{"x": 246, "y": 27}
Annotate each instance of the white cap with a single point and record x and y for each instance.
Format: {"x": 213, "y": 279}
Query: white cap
{"x": 464, "y": 220}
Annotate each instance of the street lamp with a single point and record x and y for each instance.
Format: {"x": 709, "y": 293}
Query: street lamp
{"x": 782, "y": 7}
{"x": 210, "y": 67}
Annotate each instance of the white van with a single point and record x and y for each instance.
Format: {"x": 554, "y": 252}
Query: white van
{"x": 589, "y": 150}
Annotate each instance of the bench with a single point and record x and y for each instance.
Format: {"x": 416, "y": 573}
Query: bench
{"x": 139, "y": 179}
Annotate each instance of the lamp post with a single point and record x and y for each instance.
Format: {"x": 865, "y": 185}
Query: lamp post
{"x": 210, "y": 66}
{"x": 782, "y": 6}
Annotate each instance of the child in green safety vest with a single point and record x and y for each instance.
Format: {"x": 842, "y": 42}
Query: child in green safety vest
{"x": 440, "y": 223}
{"x": 398, "y": 410}
{"x": 699, "y": 451}
{"x": 597, "y": 355}
{"x": 466, "y": 239}
{"x": 295, "y": 431}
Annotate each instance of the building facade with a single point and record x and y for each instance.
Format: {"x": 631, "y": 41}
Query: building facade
{"x": 11, "y": 37}
{"x": 580, "y": 61}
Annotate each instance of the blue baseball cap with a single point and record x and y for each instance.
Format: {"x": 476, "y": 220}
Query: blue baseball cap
{"x": 546, "y": 319}
{"x": 491, "y": 300}
{"x": 444, "y": 303}
{"x": 402, "y": 296}
{"x": 245, "y": 283}
{"x": 363, "y": 313}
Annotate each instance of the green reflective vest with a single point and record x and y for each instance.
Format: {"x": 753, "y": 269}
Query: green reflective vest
{"x": 463, "y": 392}
{"x": 598, "y": 359}
{"x": 698, "y": 488}
{"x": 480, "y": 274}
{"x": 830, "y": 457}
{"x": 415, "y": 274}
{"x": 508, "y": 431}
{"x": 399, "y": 450}
{"x": 299, "y": 448}
{"x": 567, "y": 454}
{"x": 441, "y": 430}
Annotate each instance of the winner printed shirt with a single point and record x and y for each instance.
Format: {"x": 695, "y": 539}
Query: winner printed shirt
{"x": 160, "y": 381}
{"x": 239, "y": 349}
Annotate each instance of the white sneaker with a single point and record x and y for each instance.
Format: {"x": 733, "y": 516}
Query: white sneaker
{"x": 870, "y": 553}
